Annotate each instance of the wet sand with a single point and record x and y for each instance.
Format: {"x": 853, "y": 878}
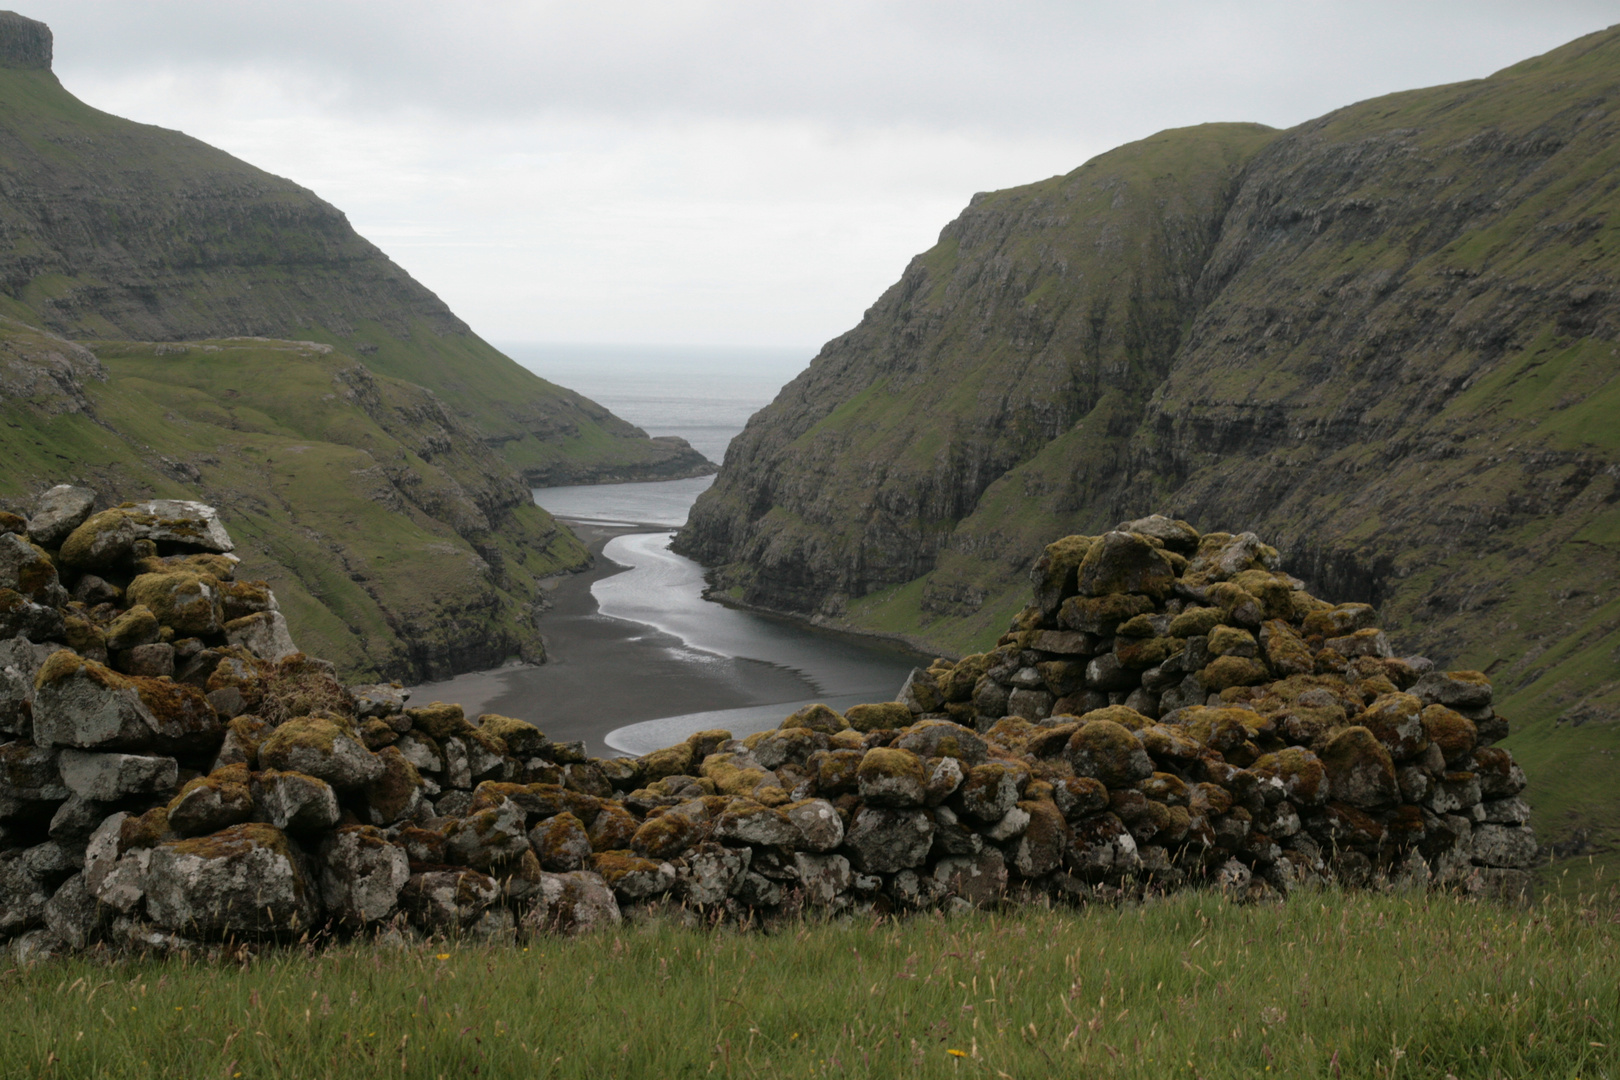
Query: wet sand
{"x": 604, "y": 673}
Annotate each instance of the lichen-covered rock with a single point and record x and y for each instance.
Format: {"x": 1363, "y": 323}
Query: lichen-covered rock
{"x": 747, "y": 822}
{"x": 939, "y": 738}
{"x": 988, "y": 793}
{"x": 210, "y": 803}
{"x": 561, "y": 843}
{"x": 28, "y": 571}
{"x": 1101, "y": 848}
{"x": 188, "y": 603}
{"x": 57, "y": 512}
{"x": 613, "y": 828}
{"x": 892, "y": 777}
{"x": 248, "y": 879}
{"x": 397, "y": 792}
{"x": 1451, "y": 731}
{"x": 979, "y": 879}
{"x": 81, "y": 703}
{"x": 713, "y": 872}
{"x": 1303, "y": 776}
{"x": 1122, "y": 562}
{"x": 520, "y": 737}
{"x": 361, "y": 875}
{"x": 445, "y": 901}
{"x": 264, "y": 634}
{"x": 1107, "y": 751}
{"x": 881, "y": 841}
{"x": 823, "y": 878}
{"x": 1397, "y": 721}
{"x": 1504, "y": 846}
{"x": 1454, "y": 689}
{"x": 816, "y": 718}
{"x": 487, "y": 838}
{"x": 1043, "y": 840}
{"x": 881, "y": 716}
{"x": 820, "y": 827}
{"x": 574, "y": 903}
{"x": 324, "y": 749}
{"x": 295, "y": 802}
{"x": 1359, "y": 770}
{"x": 836, "y": 771}
{"x": 633, "y": 878}
{"x": 667, "y": 836}
{"x": 675, "y": 760}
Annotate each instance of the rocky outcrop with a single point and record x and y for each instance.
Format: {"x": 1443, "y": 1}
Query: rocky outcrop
{"x": 1172, "y": 711}
{"x": 1384, "y": 338}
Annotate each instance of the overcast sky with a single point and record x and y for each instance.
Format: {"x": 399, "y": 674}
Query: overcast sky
{"x": 756, "y": 173}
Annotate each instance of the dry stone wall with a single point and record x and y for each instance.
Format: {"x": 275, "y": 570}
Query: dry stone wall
{"x": 1170, "y": 711}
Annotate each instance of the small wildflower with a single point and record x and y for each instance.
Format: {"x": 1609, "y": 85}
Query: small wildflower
{"x": 444, "y": 956}
{"x": 957, "y": 1053}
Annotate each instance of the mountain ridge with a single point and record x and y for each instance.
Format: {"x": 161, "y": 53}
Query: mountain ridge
{"x": 1389, "y": 344}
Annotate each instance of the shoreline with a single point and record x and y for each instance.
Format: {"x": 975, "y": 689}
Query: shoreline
{"x": 603, "y": 673}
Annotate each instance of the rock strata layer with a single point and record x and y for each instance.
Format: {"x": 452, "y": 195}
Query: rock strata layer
{"x": 1171, "y": 711}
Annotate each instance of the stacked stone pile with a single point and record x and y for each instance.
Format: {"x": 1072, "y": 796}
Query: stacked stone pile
{"x": 1170, "y": 711}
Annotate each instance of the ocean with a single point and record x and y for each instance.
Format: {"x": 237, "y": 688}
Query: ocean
{"x": 647, "y": 626}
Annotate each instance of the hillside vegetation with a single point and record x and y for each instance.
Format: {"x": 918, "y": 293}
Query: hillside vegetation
{"x": 111, "y": 229}
{"x": 1327, "y": 985}
{"x": 399, "y": 545}
{"x": 1384, "y": 339}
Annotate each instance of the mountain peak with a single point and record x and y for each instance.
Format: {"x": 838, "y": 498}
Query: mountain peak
{"x": 24, "y": 42}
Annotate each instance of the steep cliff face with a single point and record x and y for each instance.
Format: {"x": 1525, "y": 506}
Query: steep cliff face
{"x": 1040, "y": 308}
{"x": 112, "y": 229}
{"x": 1392, "y": 348}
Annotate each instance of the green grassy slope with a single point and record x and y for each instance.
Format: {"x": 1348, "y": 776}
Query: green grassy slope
{"x": 1395, "y": 357}
{"x": 399, "y": 545}
{"x": 1327, "y": 985}
{"x": 118, "y": 230}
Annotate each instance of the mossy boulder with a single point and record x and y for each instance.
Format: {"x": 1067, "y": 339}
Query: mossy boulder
{"x": 188, "y": 603}
{"x": 295, "y": 802}
{"x": 1055, "y": 573}
{"x": 28, "y": 570}
{"x": 820, "y": 827}
{"x": 1120, "y": 562}
{"x": 1147, "y": 652}
{"x": 1285, "y": 650}
{"x": 748, "y": 822}
{"x": 1109, "y": 752}
{"x": 816, "y": 718}
{"x": 836, "y": 771}
{"x": 884, "y": 715}
{"x": 788, "y": 746}
{"x": 1454, "y": 689}
{"x": 1303, "y": 776}
{"x": 1228, "y": 671}
{"x": 1123, "y": 715}
{"x": 667, "y": 836}
{"x": 488, "y": 838}
{"x": 440, "y": 720}
{"x": 210, "y": 803}
{"x": 889, "y": 776}
{"x": 397, "y": 792}
{"x": 989, "y": 791}
{"x": 561, "y": 843}
{"x": 249, "y": 879}
{"x": 613, "y": 828}
{"x": 1360, "y": 771}
{"x": 519, "y": 736}
{"x": 1102, "y": 614}
{"x": 321, "y": 748}
{"x": 1220, "y": 729}
{"x": 58, "y": 511}
{"x": 136, "y": 626}
{"x": 1397, "y": 720}
{"x": 1339, "y": 620}
{"x": 677, "y": 760}
{"x": 632, "y": 877}
{"x": 940, "y": 738}
{"x": 1451, "y": 731}
{"x": 1232, "y": 641}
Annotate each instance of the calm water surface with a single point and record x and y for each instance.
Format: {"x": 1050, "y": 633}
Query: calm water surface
{"x": 704, "y": 396}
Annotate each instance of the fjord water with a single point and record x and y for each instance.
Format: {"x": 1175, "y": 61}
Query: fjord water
{"x": 645, "y": 660}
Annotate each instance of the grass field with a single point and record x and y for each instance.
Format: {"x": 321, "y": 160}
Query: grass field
{"x": 1326, "y": 985}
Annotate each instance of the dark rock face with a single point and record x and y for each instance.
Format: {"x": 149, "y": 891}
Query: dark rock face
{"x": 24, "y": 43}
{"x": 1332, "y": 335}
